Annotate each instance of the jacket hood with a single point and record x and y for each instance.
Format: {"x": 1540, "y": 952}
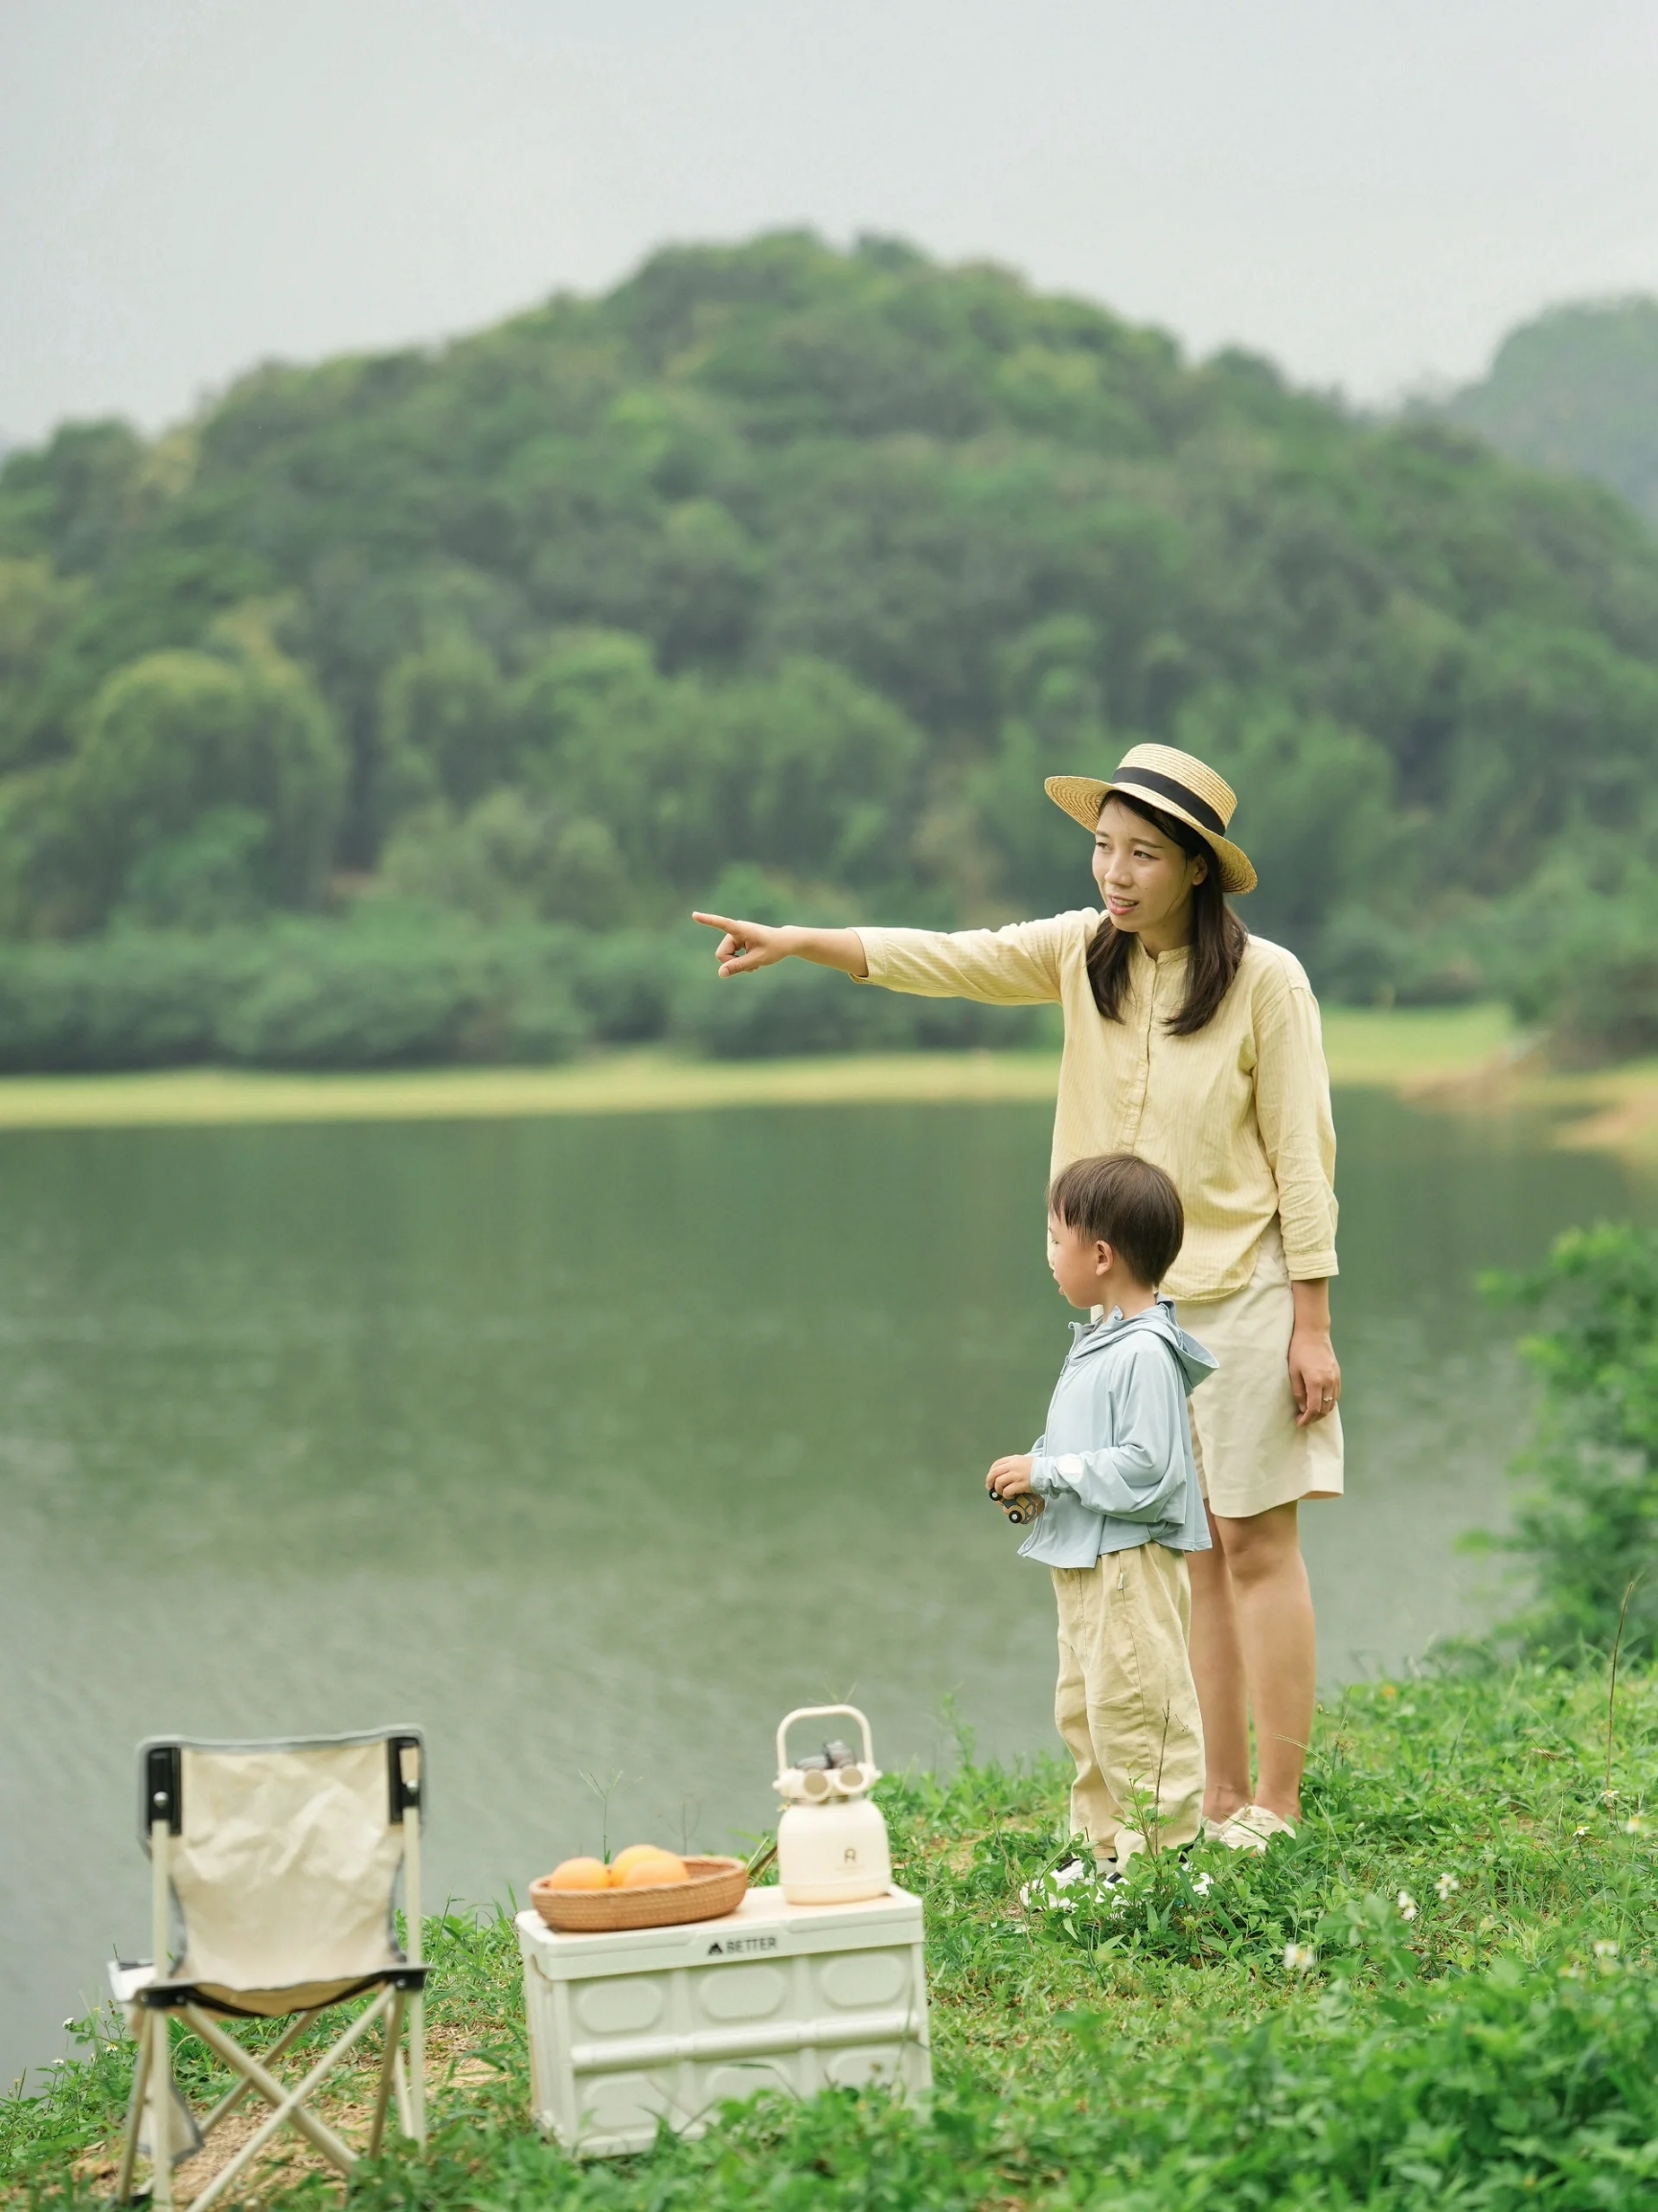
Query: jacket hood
{"x": 1158, "y": 1320}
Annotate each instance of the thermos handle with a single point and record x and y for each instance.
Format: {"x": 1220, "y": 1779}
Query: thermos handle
{"x": 818, "y": 1713}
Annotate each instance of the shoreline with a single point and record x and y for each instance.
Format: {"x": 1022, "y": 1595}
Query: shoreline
{"x": 1454, "y": 1060}
{"x": 638, "y": 1082}
{"x": 1371, "y": 1048}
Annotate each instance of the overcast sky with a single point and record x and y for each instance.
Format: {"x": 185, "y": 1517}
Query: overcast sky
{"x": 1372, "y": 190}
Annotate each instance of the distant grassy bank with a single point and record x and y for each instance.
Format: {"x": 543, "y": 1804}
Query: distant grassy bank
{"x": 1398, "y": 1050}
{"x": 1612, "y": 1109}
{"x": 1442, "y": 1991}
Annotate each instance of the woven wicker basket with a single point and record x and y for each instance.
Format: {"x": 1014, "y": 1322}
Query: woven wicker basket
{"x": 716, "y": 1887}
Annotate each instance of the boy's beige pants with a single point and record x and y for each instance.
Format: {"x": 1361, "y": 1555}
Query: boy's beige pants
{"x": 1126, "y": 1703}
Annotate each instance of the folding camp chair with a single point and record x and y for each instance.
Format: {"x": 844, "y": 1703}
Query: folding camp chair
{"x": 282, "y": 1860}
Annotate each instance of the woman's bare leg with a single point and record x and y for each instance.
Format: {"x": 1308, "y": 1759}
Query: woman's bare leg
{"x": 1217, "y": 1669}
{"x": 1274, "y": 1633}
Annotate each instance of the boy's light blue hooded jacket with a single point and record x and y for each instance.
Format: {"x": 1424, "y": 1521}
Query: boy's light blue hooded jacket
{"x": 1115, "y": 1462}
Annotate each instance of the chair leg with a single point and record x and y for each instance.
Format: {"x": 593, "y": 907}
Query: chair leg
{"x": 161, "y": 2056}
{"x": 161, "y": 2114}
{"x": 290, "y": 2109}
{"x": 228, "y": 2102}
{"x": 288, "y": 2103}
{"x": 134, "y": 2113}
{"x": 418, "y": 2066}
{"x": 388, "y": 2071}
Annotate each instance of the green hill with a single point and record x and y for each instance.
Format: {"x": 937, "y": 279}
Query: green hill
{"x": 1576, "y": 389}
{"x": 804, "y": 563}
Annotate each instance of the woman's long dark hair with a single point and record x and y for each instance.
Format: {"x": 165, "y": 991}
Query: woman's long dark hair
{"x": 1217, "y": 936}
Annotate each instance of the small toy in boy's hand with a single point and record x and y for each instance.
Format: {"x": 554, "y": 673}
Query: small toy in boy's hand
{"x": 1009, "y": 1484}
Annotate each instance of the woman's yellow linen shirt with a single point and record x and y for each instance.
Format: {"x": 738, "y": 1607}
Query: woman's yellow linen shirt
{"x": 1239, "y": 1115}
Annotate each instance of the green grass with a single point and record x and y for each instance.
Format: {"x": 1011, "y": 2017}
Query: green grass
{"x": 1488, "y": 2052}
{"x": 1366, "y": 1046}
{"x": 1413, "y": 1044}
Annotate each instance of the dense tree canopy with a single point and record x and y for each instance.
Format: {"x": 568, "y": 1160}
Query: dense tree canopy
{"x": 815, "y": 563}
{"x": 1576, "y": 389}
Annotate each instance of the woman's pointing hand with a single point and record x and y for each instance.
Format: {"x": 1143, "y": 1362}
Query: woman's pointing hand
{"x": 746, "y": 945}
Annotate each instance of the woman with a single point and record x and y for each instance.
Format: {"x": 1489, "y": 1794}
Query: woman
{"x": 1198, "y": 1047}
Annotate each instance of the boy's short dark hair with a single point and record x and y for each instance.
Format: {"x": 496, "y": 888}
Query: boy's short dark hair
{"x": 1124, "y": 1202}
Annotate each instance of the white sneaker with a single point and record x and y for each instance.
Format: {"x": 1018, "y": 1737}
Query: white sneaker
{"x": 1077, "y": 1876}
{"x": 1254, "y": 1829}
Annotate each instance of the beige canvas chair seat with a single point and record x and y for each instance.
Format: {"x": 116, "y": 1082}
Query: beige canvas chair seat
{"x": 132, "y": 1985}
{"x": 281, "y": 1862}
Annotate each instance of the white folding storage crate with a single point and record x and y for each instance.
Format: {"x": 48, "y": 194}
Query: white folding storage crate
{"x": 660, "y": 2025}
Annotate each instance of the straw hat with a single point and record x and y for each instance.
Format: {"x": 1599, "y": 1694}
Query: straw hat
{"x": 1177, "y": 784}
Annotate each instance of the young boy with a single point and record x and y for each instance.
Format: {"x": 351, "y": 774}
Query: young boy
{"x": 1115, "y": 1486}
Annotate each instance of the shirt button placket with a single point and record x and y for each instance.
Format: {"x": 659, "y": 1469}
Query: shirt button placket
{"x": 1136, "y": 1101}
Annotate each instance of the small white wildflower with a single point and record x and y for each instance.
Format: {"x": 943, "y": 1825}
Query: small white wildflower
{"x": 1203, "y": 1883}
{"x": 1407, "y": 1906}
{"x": 1577, "y": 1833}
{"x": 1299, "y": 1958}
{"x": 1605, "y": 1948}
{"x": 1634, "y": 1825}
{"x": 1448, "y": 1887}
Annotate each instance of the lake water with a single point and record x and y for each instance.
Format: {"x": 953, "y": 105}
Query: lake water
{"x": 594, "y": 1445}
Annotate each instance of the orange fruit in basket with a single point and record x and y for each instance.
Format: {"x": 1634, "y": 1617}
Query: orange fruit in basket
{"x": 624, "y": 1861}
{"x": 579, "y": 1873}
{"x": 648, "y": 1868}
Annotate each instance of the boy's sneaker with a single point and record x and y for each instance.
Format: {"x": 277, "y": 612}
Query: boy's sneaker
{"x": 1254, "y": 1829}
{"x": 1068, "y": 1885}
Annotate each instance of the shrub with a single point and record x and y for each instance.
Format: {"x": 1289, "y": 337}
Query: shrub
{"x": 304, "y": 996}
{"x": 129, "y": 1000}
{"x": 783, "y": 1010}
{"x": 1612, "y": 1010}
{"x": 626, "y": 983}
{"x": 1490, "y": 2089}
{"x": 1588, "y": 1525}
{"x": 321, "y": 1002}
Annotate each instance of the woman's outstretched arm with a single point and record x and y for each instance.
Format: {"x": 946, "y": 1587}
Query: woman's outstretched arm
{"x": 747, "y": 945}
{"x": 1016, "y": 966}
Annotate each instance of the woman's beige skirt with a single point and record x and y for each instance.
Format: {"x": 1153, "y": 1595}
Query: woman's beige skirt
{"x": 1251, "y": 1455}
